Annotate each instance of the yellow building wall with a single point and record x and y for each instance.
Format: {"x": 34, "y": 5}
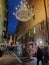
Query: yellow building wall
{"x": 39, "y": 11}
{"x": 47, "y": 7}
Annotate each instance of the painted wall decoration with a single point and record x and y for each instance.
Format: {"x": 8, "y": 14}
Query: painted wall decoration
{"x": 12, "y": 21}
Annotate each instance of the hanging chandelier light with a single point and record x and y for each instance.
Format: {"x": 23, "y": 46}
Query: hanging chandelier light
{"x": 23, "y": 11}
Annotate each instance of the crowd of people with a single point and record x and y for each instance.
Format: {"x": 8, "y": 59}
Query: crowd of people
{"x": 30, "y": 51}
{"x": 38, "y": 52}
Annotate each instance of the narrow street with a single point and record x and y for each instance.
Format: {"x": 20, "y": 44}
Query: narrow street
{"x": 12, "y": 59}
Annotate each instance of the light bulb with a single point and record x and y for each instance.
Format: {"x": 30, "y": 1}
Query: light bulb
{"x": 16, "y": 8}
{"x": 31, "y": 9}
{"x": 21, "y": 2}
{"x": 28, "y": 5}
{"x": 13, "y": 13}
{"x": 24, "y": 5}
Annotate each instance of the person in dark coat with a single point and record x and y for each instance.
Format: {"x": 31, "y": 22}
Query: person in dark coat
{"x": 1, "y": 53}
{"x": 40, "y": 56}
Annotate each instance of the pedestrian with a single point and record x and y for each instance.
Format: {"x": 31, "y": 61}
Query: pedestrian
{"x": 40, "y": 56}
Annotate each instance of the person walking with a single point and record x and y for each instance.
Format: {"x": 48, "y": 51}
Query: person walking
{"x": 40, "y": 56}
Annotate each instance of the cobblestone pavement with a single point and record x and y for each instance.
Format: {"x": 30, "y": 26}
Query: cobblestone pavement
{"x": 10, "y": 59}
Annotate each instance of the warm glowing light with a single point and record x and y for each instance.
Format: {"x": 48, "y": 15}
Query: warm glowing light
{"x": 23, "y": 13}
{"x": 40, "y": 42}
